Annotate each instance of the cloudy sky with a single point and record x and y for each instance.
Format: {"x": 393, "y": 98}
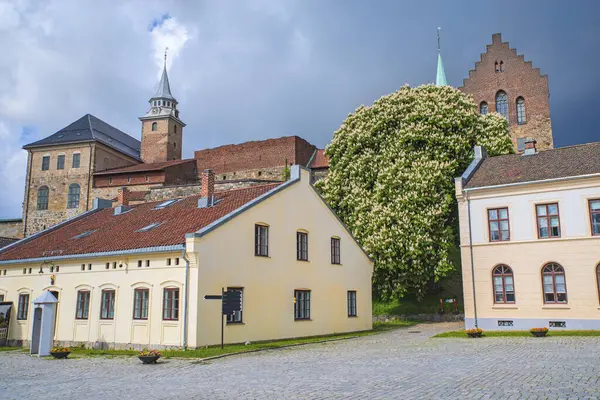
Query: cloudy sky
{"x": 247, "y": 70}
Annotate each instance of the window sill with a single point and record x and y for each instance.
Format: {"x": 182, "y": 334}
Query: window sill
{"x": 505, "y": 307}
{"x": 352, "y": 316}
{"x": 260, "y": 256}
{"x": 338, "y": 264}
{"x": 302, "y": 320}
{"x": 235, "y": 323}
{"x": 556, "y": 307}
{"x": 306, "y": 261}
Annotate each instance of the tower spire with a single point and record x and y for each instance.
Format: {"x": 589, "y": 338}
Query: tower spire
{"x": 440, "y": 79}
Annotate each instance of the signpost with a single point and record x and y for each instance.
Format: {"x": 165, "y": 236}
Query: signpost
{"x": 231, "y": 301}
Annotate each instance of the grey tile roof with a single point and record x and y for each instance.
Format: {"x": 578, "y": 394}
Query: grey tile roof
{"x": 563, "y": 162}
{"x": 89, "y": 128}
{"x": 164, "y": 89}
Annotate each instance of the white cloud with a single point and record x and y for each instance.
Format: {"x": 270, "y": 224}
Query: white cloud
{"x": 171, "y": 34}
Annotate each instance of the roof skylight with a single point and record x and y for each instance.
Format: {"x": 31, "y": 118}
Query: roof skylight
{"x": 84, "y": 234}
{"x": 166, "y": 204}
{"x": 149, "y": 227}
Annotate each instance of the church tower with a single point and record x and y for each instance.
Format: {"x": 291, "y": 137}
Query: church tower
{"x": 162, "y": 130}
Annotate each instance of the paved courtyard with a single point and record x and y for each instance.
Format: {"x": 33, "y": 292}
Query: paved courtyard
{"x": 402, "y": 364}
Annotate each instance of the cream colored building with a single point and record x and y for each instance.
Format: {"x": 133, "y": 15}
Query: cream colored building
{"x": 530, "y": 239}
{"x": 136, "y": 276}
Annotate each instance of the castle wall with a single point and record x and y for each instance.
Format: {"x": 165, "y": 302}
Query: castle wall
{"x": 58, "y": 182}
{"x": 11, "y": 228}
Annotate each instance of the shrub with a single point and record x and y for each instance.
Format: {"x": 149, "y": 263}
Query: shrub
{"x": 544, "y": 329}
{"x": 474, "y": 330}
{"x": 60, "y": 350}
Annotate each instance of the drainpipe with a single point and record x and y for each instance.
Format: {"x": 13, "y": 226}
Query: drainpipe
{"x": 472, "y": 260}
{"x": 185, "y": 298}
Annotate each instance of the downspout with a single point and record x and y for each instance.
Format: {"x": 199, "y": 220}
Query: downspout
{"x": 185, "y": 298}
{"x": 28, "y": 192}
{"x": 472, "y": 260}
{"x": 90, "y": 180}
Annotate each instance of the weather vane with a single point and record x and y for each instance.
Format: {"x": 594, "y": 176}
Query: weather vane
{"x": 438, "y": 33}
{"x": 166, "y": 51}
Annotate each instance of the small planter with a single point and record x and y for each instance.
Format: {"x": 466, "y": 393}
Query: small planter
{"x": 149, "y": 359}
{"x": 60, "y": 354}
{"x": 539, "y": 332}
{"x": 474, "y": 333}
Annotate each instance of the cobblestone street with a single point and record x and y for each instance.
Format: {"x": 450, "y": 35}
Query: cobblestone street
{"x": 402, "y": 364}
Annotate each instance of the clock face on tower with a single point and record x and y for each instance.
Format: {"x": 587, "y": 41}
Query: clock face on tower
{"x": 155, "y": 110}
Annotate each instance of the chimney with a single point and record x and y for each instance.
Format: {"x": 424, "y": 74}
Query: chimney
{"x": 122, "y": 201}
{"x": 207, "y": 191}
{"x": 123, "y": 197}
{"x": 530, "y": 147}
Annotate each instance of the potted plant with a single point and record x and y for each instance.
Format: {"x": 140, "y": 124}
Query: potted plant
{"x": 539, "y": 332}
{"x": 149, "y": 356}
{"x": 475, "y": 332}
{"x": 60, "y": 352}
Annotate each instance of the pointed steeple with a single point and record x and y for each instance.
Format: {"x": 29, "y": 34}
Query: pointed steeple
{"x": 440, "y": 79}
{"x": 164, "y": 89}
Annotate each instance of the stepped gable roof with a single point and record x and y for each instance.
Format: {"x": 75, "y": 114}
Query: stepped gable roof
{"x": 160, "y": 166}
{"x": 89, "y": 128}
{"x": 5, "y": 241}
{"x": 100, "y": 231}
{"x": 257, "y": 154}
{"x": 563, "y": 162}
{"x": 319, "y": 160}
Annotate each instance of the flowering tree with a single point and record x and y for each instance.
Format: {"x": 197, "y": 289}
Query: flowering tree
{"x": 391, "y": 174}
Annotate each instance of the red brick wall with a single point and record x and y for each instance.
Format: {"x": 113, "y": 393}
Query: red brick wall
{"x": 181, "y": 174}
{"x": 518, "y": 79}
{"x": 254, "y": 155}
{"x": 137, "y": 178}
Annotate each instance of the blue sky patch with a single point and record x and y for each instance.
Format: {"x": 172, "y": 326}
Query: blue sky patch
{"x": 156, "y": 22}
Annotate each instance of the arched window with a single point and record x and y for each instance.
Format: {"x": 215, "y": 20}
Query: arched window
{"x": 154, "y": 126}
{"x": 73, "y": 198}
{"x": 504, "y": 286}
{"x": 501, "y": 66}
{"x": 502, "y": 104}
{"x": 175, "y": 128}
{"x": 496, "y": 69}
{"x": 598, "y": 279}
{"x": 483, "y": 108}
{"x": 521, "y": 111}
{"x": 555, "y": 287}
{"x": 42, "y": 198}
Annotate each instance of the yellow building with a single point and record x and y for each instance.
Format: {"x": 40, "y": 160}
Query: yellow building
{"x": 136, "y": 276}
{"x": 530, "y": 239}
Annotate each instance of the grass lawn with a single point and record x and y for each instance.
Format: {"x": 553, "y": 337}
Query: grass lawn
{"x": 213, "y": 351}
{"x": 461, "y": 334}
{"x": 10, "y": 348}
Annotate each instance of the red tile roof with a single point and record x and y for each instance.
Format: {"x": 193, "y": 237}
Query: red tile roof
{"x": 119, "y": 232}
{"x": 557, "y": 163}
{"x": 144, "y": 167}
{"x": 320, "y": 160}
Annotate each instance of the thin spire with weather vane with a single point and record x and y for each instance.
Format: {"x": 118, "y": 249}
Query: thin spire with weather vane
{"x": 440, "y": 79}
